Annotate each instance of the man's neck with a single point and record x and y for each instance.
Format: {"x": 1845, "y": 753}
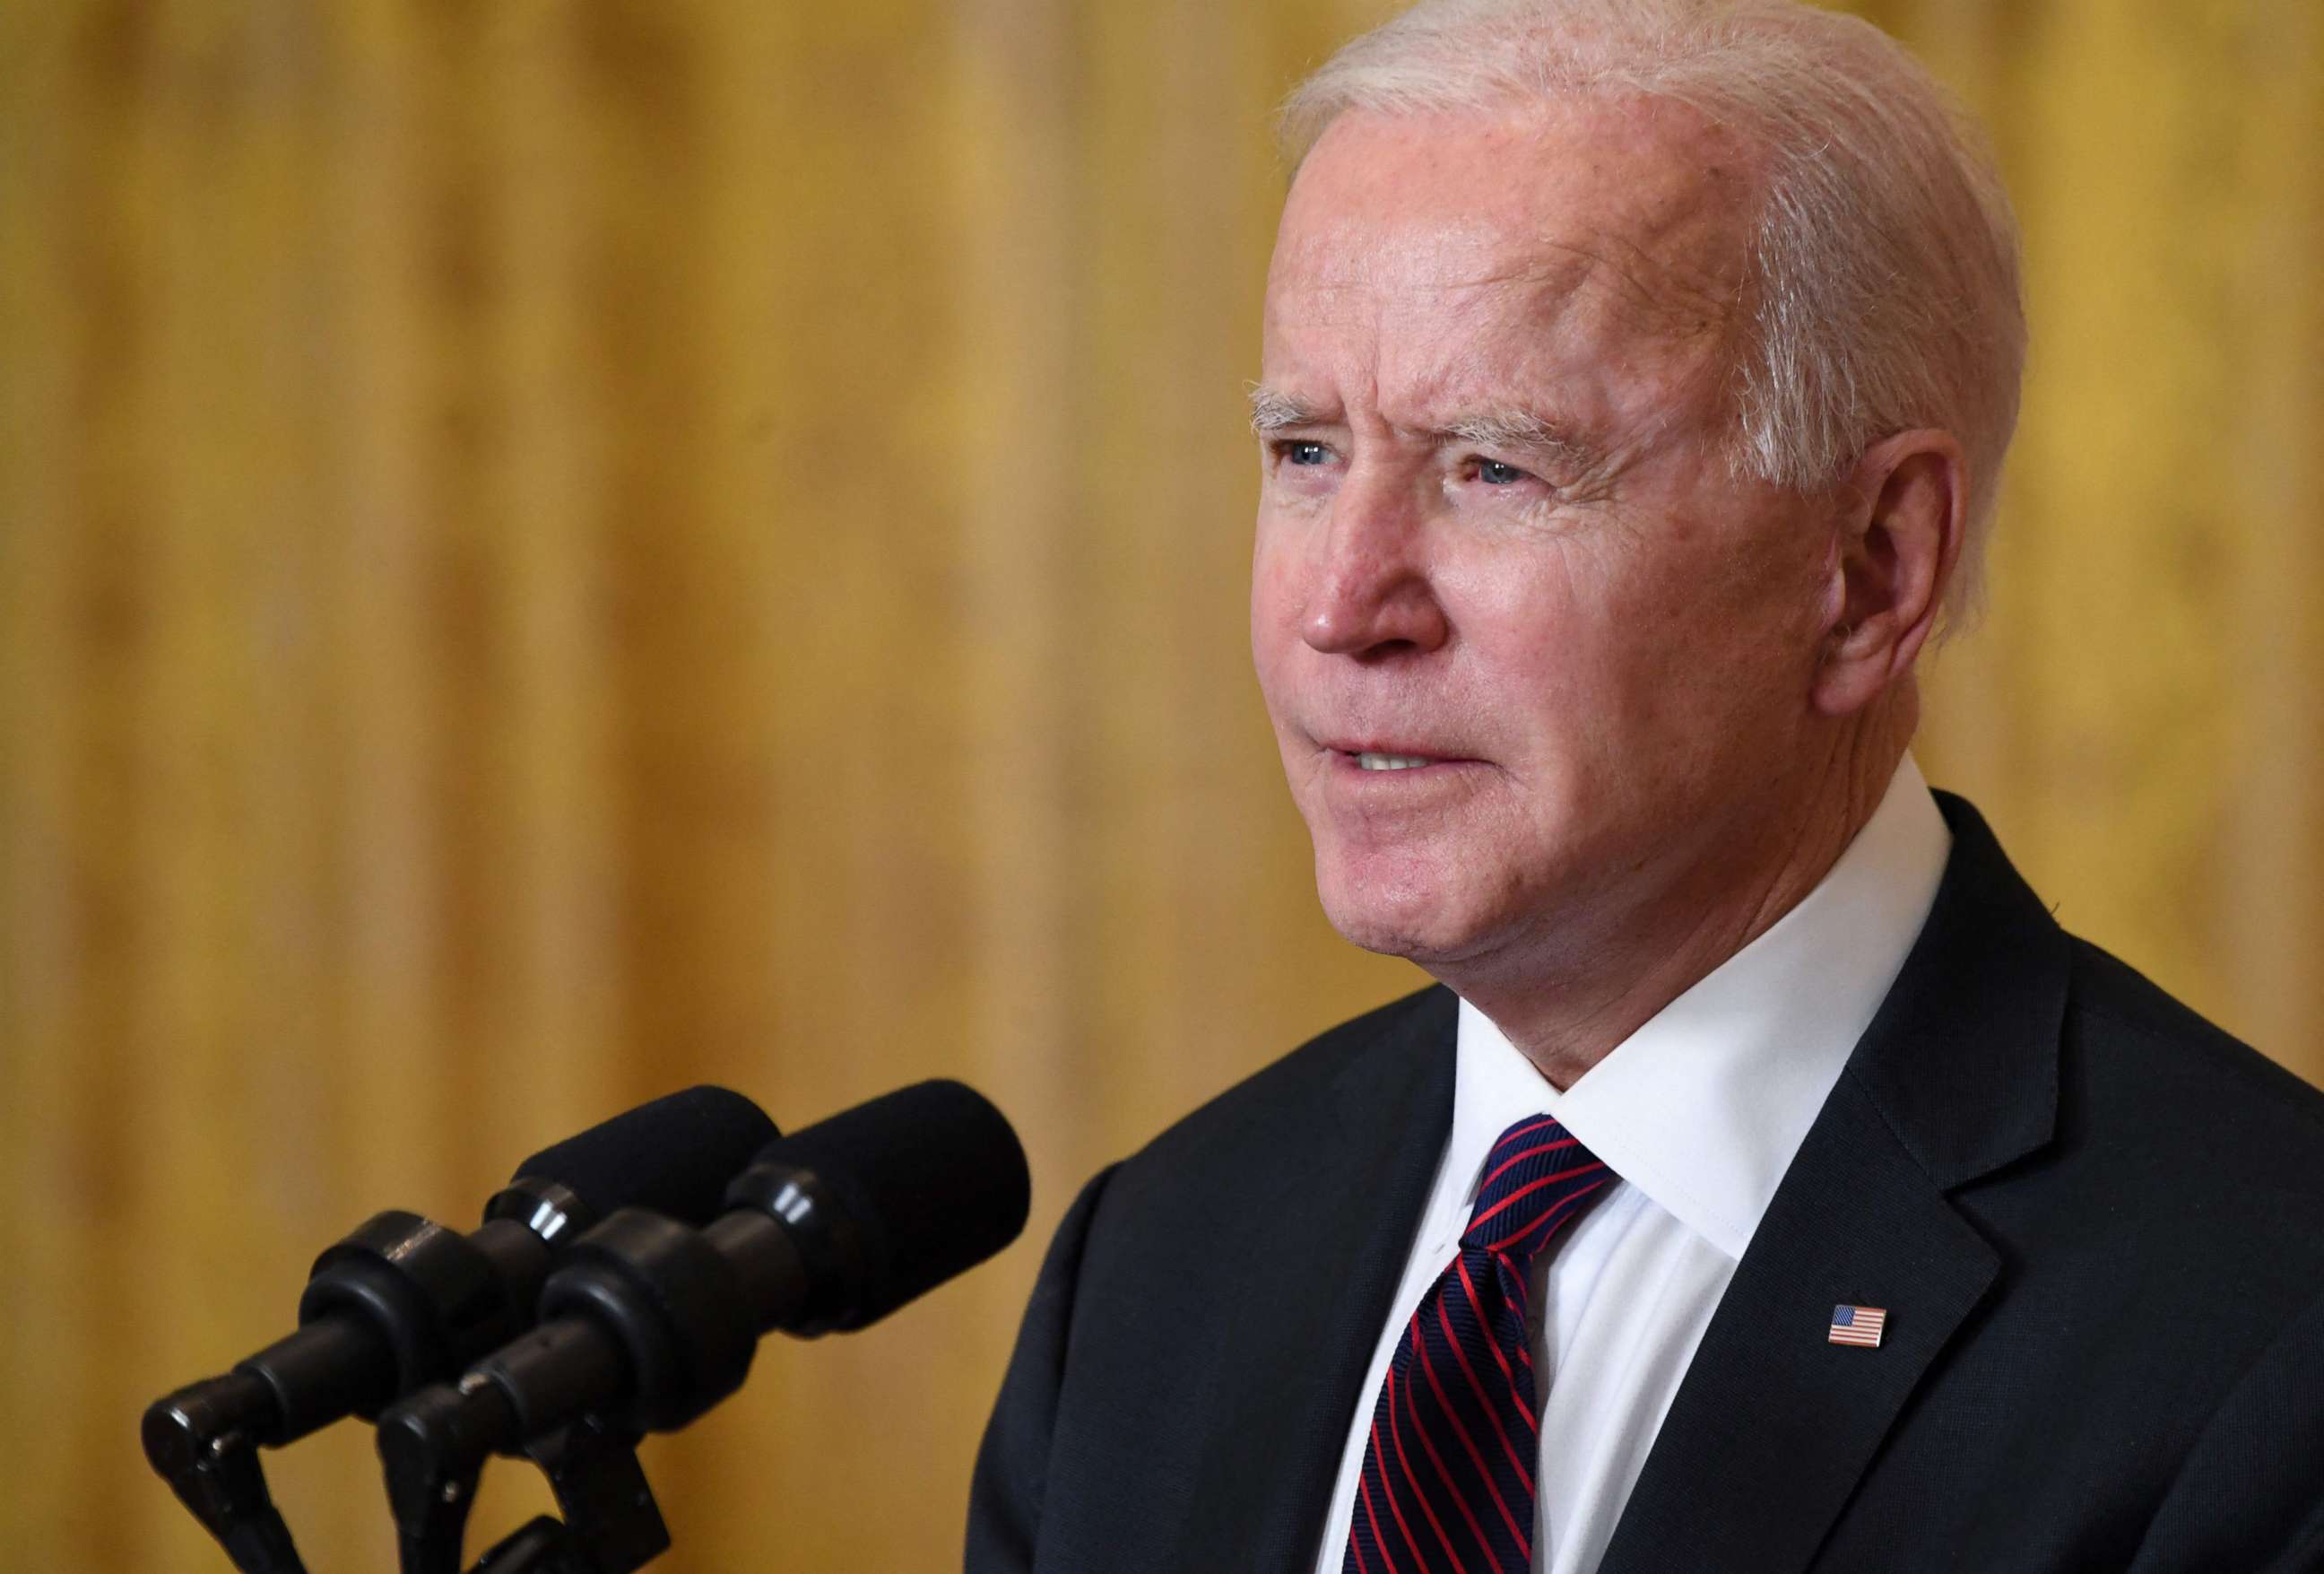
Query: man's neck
{"x": 1568, "y": 1003}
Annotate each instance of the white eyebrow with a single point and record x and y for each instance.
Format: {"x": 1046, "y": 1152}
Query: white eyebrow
{"x": 1520, "y": 430}
{"x": 1505, "y": 429}
{"x": 1272, "y": 410}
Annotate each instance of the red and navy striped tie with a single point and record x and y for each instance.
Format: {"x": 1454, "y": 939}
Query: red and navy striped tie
{"x": 1447, "y": 1484}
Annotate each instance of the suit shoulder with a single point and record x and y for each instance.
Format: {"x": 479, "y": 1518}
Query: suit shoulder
{"x": 2205, "y": 1151}
{"x": 2209, "y": 1075}
{"x": 1288, "y": 1090}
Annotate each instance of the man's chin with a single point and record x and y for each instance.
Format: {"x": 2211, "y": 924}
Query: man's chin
{"x": 1402, "y": 925}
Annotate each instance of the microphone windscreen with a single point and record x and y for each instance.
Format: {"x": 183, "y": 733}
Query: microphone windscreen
{"x": 933, "y": 1177}
{"x": 674, "y": 1155}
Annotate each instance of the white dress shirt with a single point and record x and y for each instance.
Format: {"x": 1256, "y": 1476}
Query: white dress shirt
{"x": 1700, "y": 1112}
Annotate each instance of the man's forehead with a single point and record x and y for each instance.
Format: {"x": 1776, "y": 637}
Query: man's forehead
{"x": 1642, "y": 198}
{"x": 1345, "y": 251}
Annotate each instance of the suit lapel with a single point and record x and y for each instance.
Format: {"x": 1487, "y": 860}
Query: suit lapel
{"x": 1326, "y": 1248}
{"x": 1773, "y": 1426}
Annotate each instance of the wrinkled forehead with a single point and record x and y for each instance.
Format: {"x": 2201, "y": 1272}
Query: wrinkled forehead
{"x": 1631, "y": 214}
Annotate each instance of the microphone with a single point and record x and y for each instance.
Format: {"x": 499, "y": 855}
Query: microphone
{"x": 401, "y": 1300}
{"x": 647, "y": 1324}
{"x": 883, "y": 1203}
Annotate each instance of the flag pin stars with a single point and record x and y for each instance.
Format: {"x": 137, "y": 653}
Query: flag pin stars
{"x": 1857, "y": 1325}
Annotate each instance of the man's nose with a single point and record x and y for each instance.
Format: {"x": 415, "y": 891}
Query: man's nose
{"x": 1370, "y": 592}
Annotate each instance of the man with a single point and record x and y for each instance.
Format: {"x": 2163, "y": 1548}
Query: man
{"x": 1771, "y": 1184}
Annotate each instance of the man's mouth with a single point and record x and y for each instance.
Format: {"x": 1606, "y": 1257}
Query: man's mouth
{"x": 1379, "y": 753}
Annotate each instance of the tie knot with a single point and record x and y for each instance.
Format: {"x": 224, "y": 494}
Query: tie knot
{"x": 1537, "y": 1178}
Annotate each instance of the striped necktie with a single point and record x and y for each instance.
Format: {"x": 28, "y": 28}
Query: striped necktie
{"x": 1447, "y": 1484}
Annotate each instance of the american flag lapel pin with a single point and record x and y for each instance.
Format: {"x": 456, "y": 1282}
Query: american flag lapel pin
{"x": 1857, "y": 1325}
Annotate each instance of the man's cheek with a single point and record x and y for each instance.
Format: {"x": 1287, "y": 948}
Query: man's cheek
{"x": 1274, "y": 605}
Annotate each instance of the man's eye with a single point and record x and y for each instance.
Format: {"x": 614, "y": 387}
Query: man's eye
{"x": 1300, "y": 451}
{"x": 1494, "y": 473}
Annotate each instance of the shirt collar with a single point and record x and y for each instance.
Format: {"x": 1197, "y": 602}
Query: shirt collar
{"x": 1703, "y": 1108}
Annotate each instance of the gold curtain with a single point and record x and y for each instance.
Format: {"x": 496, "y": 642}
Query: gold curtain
{"x": 555, "y": 549}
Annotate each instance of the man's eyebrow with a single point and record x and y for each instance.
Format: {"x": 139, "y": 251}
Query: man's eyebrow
{"x": 1518, "y": 429}
{"x": 1272, "y": 410}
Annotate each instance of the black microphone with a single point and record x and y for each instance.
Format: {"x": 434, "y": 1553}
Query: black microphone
{"x": 403, "y": 1301}
{"x": 647, "y": 1324}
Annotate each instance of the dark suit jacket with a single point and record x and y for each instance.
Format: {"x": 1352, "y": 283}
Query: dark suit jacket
{"x": 2096, "y": 1221}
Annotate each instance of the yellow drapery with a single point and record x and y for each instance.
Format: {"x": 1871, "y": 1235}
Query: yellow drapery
{"x": 549, "y": 551}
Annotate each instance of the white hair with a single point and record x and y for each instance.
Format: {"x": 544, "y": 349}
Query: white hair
{"x": 1884, "y": 259}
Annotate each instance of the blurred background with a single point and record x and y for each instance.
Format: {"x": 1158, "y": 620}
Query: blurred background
{"x": 551, "y": 549}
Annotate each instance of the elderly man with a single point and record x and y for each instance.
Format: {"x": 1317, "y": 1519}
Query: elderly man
{"x": 1771, "y": 1184}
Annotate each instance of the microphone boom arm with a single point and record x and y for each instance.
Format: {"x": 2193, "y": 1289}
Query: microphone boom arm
{"x": 434, "y": 1447}
{"x": 200, "y": 1442}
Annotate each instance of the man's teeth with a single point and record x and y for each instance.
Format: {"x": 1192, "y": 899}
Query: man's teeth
{"x": 1390, "y": 761}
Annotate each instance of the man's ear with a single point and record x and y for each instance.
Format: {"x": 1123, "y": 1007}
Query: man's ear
{"x": 1897, "y": 540}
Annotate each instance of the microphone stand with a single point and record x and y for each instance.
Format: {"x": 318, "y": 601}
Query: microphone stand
{"x": 200, "y": 1440}
{"x": 434, "y": 1447}
{"x": 644, "y": 1327}
{"x": 387, "y": 1306}
{"x": 646, "y": 1323}
{"x": 403, "y": 1301}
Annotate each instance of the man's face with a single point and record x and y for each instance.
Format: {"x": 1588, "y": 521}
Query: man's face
{"x": 1500, "y": 534}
